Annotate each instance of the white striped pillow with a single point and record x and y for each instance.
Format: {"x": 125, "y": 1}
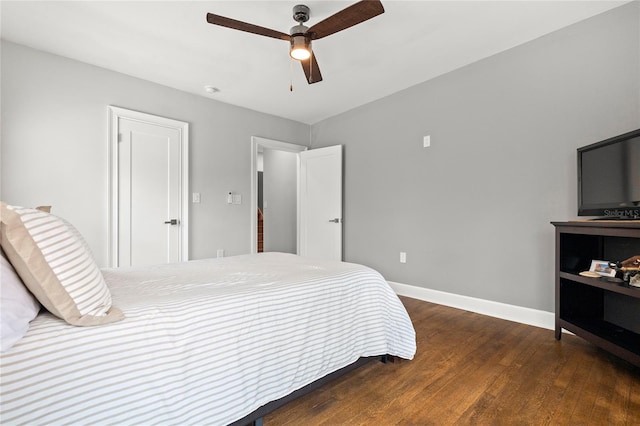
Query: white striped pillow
{"x": 56, "y": 265}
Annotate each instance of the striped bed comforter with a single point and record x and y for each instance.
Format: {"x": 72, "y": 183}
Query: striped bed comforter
{"x": 203, "y": 342}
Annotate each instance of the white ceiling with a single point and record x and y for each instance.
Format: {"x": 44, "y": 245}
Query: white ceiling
{"x": 171, "y": 43}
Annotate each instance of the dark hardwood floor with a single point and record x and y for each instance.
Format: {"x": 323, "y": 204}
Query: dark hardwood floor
{"x": 478, "y": 370}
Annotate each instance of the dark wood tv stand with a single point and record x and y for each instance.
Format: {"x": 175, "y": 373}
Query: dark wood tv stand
{"x": 602, "y": 312}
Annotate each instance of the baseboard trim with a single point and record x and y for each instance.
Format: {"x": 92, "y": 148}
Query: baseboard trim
{"x": 515, "y": 313}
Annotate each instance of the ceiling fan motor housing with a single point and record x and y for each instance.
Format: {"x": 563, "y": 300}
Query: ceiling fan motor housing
{"x": 298, "y": 30}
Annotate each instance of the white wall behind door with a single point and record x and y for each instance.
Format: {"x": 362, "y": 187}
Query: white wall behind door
{"x": 280, "y": 175}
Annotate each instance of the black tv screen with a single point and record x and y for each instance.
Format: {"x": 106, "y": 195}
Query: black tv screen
{"x": 609, "y": 178}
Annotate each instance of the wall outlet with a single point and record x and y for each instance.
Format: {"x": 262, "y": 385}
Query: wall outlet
{"x": 403, "y": 257}
{"x": 220, "y": 253}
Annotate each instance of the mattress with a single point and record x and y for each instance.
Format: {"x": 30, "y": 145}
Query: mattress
{"x": 203, "y": 342}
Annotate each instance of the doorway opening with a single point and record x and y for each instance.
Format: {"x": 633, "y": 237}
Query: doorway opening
{"x": 274, "y": 189}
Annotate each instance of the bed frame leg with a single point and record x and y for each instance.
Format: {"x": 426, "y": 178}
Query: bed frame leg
{"x": 387, "y": 359}
{"x": 257, "y": 422}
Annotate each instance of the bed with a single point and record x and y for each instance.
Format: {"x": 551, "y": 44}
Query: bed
{"x": 203, "y": 342}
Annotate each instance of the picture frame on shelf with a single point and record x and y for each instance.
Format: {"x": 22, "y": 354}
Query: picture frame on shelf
{"x": 602, "y": 268}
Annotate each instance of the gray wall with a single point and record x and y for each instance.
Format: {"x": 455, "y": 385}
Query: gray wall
{"x": 473, "y": 210}
{"x": 54, "y": 146}
{"x": 280, "y": 200}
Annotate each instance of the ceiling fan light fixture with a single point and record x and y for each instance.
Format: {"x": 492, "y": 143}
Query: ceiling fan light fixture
{"x": 300, "y": 47}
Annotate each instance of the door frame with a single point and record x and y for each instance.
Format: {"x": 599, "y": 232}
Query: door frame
{"x": 114, "y": 116}
{"x": 258, "y": 142}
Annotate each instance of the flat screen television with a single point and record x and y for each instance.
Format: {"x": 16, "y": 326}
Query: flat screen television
{"x": 609, "y": 178}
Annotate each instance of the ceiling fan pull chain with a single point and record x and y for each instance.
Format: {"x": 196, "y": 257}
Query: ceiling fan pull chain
{"x": 291, "y": 75}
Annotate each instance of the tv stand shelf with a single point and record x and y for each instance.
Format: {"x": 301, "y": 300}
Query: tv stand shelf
{"x": 602, "y": 283}
{"x": 602, "y": 312}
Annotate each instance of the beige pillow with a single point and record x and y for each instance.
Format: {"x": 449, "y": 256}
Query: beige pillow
{"x": 56, "y": 265}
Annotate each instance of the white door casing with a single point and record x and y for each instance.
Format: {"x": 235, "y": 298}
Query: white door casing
{"x": 258, "y": 143}
{"x": 320, "y": 197}
{"x": 148, "y": 187}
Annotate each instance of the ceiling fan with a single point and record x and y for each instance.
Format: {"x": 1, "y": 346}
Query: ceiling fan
{"x": 300, "y": 36}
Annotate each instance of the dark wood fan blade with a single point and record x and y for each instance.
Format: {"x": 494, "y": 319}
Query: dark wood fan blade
{"x": 352, "y": 15}
{"x": 243, "y": 26}
{"x": 311, "y": 69}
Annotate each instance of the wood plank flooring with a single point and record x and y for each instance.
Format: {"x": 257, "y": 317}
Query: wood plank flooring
{"x": 472, "y": 369}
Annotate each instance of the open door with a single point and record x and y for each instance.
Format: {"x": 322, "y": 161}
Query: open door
{"x": 320, "y": 197}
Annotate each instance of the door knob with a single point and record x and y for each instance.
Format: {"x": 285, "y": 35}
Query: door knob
{"x": 336, "y": 220}
{"x": 171, "y": 222}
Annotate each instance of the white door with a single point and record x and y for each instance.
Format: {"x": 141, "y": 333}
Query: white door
{"x": 150, "y": 214}
{"x": 320, "y": 230}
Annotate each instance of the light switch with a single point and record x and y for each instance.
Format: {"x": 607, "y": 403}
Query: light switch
{"x": 426, "y": 141}
{"x": 196, "y": 197}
